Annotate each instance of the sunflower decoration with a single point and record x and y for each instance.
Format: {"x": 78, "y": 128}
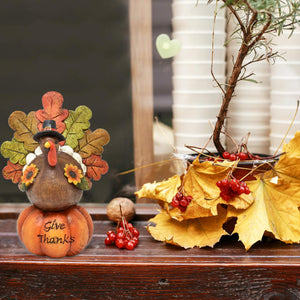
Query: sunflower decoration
{"x": 29, "y": 174}
{"x": 73, "y": 174}
{"x": 71, "y": 129}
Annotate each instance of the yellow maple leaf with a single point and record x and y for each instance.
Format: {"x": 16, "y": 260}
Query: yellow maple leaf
{"x": 293, "y": 147}
{"x": 200, "y": 232}
{"x": 288, "y": 166}
{"x": 164, "y": 190}
{"x": 193, "y": 211}
{"x": 200, "y": 182}
{"x": 274, "y": 210}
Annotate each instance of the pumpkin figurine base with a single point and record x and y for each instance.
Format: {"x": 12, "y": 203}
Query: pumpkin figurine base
{"x": 55, "y": 234}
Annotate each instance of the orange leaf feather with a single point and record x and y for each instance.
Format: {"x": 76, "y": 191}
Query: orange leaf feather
{"x": 52, "y": 103}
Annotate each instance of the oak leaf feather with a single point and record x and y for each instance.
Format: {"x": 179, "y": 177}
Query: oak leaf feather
{"x": 25, "y": 127}
{"x": 92, "y": 142}
{"x": 13, "y": 172}
{"x": 95, "y": 167}
{"x": 52, "y": 103}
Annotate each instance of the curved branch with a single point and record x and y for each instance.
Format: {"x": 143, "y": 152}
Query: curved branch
{"x": 262, "y": 32}
{"x": 236, "y": 15}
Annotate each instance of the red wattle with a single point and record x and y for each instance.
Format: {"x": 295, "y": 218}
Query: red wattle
{"x": 52, "y": 156}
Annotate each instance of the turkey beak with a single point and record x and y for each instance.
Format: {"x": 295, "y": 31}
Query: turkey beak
{"x": 52, "y": 155}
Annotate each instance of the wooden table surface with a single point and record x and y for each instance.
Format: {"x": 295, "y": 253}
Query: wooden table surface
{"x": 153, "y": 270}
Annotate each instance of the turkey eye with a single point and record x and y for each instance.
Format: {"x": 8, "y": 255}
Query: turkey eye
{"x": 47, "y": 145}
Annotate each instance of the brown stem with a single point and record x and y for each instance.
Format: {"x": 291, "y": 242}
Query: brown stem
{"x": 246, "y": 45}
{"x": 236, "y": 15}
{"x": 228, "y": 95}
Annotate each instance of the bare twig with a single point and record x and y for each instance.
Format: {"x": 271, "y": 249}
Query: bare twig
{"x": 236, "y": 15}
{"x": 262, "y": 32}
{"x": 246, "y": 76}
{"x": 267, "y": 57}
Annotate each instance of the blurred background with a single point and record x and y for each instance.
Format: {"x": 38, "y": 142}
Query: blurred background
{"x": 81, "y": 51}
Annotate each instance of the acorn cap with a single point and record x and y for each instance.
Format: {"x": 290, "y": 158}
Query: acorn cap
{"x": 49, "y": 129}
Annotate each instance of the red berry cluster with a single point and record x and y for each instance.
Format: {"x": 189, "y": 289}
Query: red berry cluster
{"x": 234, "y": 156}
{"x": 213, "y": 158}
{"x": 126, "y": 236}
{"x": 181, "y": 201}
{"x": 232, "y": 188}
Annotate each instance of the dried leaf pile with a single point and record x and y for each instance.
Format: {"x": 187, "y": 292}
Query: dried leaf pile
{"x": 73, "y": 125}
{"x": 272, "y": 207}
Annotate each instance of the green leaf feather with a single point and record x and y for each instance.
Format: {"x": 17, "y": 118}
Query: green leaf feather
{"x": 15, "y": 151}
{"x": 76, "y": 124}
{"x": 83, "y": 184}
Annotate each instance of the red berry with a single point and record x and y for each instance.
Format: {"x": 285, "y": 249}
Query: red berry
{"x": 107, "y": 241}
{"x": 183, "y": 202}
{"x": 241, "y": 190}
{"x": 234, "y": 185}
{"x": 182, "y": 208}
{"x": 247, "y": 191}
{"x": 189, "y": 199}
{"x": 219, "y": 183}
{"x": 123, "y": 223}
{"x": 120, "y": 235}
{"x": 243, "y": 156}
{"x": 112, "y": 236}
{"x": 135, "y": 232}
{"x": 109, "y": 232}
{"x": 130, "y": 245}
{"x": 232, "y": 157}
{"x": 175, "y": 202}
{"x": 135, "y": 239}
{"x": 226, "y": 155}
{"x": 178, "y": 196}
{"x": 224, "y": 182}
{"x": 120, "y": 230}
{"x": 120, "y": 243}
{"x": 225, "y": 196}
{"x": 243, "y": 183}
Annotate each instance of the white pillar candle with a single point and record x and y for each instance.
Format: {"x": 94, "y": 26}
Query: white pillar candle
{"x": 196, "y": 97}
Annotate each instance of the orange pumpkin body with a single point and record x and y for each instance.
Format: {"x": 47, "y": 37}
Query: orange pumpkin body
{"x": 55, "y": 234}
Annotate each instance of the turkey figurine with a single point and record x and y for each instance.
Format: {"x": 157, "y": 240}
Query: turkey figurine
{"x": 54, "y": 155}
{"x": 56, "y": 171}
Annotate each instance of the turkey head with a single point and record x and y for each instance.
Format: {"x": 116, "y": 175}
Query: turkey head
{"x": 50, "y": 145}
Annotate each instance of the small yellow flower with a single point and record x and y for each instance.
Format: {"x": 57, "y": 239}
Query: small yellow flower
{"x": 73, "y": 174}
{"x": 29, "y": 174}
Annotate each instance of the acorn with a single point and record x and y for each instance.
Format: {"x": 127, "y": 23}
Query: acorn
{"x": 119, "y": 207}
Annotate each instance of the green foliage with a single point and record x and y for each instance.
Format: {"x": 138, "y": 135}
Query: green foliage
{"x": 76, "y": 124}
{"x": 254, "y": 15}
{"x": 15, "y": 151}
{"x": 255, "y": 23}
{"x": 84, "y": 184}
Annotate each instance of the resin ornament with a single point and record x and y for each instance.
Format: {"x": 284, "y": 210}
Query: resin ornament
{"x": 53, "y": 157}
{"x": 55, "y": 234}
{"x": 167, "y": 48}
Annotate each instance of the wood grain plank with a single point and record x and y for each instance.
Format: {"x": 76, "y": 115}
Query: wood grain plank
{"x": 153, "y": 270}
{"x": 140, "y": 23}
